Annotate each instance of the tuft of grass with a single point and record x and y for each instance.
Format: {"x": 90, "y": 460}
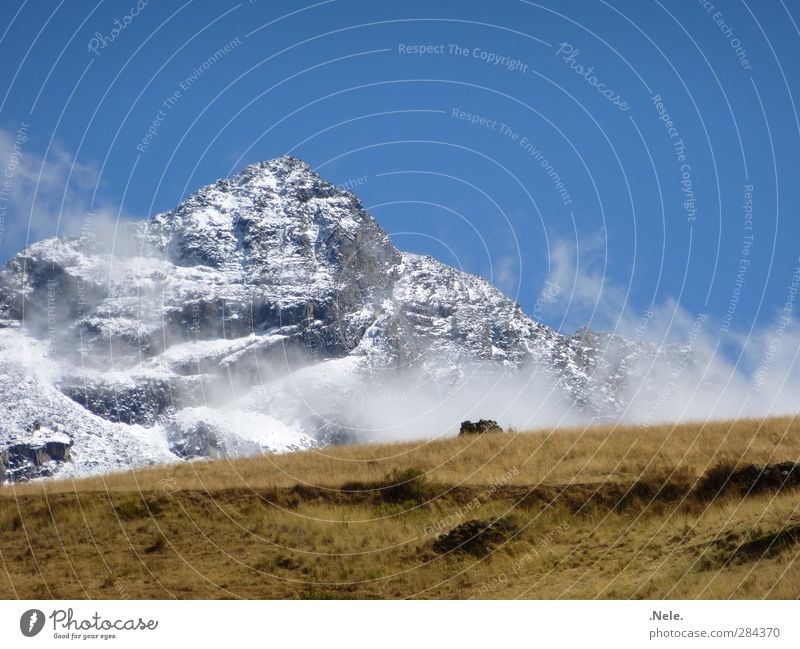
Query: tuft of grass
{"x": 476, "y": 536}
{"x": 406, "y": 486}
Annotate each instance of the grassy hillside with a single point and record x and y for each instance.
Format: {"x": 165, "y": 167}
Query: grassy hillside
{"x": 604, "y": 512}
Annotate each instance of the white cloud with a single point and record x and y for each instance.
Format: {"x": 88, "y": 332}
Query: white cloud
{"x": 42, "y": 197}
{"x": 586, "y": 295}
{"x": 505, "y": 275}
{"x": 730, "y": 374}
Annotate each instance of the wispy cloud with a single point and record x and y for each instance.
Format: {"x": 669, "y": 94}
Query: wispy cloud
{"x": 505, "y": 274}
{"x": 42, "y": 196}
{"x": 586, "y": 294}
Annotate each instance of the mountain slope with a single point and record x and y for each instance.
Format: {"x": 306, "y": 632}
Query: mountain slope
{"x": 591, "y": 519}
{"x": 267, "y": 312}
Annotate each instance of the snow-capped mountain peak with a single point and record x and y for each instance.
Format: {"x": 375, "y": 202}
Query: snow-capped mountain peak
{"x": 253, "y": 316}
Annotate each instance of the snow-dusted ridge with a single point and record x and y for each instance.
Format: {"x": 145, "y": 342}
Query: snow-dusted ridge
{"x": 267, "y": 312}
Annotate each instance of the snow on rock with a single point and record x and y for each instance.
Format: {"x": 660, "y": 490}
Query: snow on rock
{"x": 227, "y": 432}
{"x": 35, "y": 413}
{"x": 252, "y": 317}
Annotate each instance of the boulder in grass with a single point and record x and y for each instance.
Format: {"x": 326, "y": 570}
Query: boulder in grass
{"x": 479, "y": 427}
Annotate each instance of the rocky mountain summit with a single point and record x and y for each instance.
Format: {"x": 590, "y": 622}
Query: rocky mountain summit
{"x": 267, "y": 312}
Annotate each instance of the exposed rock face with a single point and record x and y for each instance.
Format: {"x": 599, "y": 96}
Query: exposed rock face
{"x": 255, "y": 316}
{"x": 25, "y": 461}
{"x": 140, "y": 400}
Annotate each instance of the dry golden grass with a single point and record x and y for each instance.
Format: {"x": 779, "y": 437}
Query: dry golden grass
{"x": 608, "y": 512}
{"x": 557, "y": 456}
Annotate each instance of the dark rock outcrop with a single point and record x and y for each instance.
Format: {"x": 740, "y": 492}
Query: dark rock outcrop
{"x": 25, "y": 461}
{"x": 479, "y": 427}
{"x": 751, "y": 479}
{"x": 145, "y": 400}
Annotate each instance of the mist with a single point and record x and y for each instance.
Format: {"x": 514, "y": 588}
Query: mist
{"x": 722, "y": 371}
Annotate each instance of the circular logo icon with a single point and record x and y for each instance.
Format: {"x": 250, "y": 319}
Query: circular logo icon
{"x": 31, "y": 622}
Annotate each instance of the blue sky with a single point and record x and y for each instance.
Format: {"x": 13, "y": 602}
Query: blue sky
{"x": 591, "y": 158}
